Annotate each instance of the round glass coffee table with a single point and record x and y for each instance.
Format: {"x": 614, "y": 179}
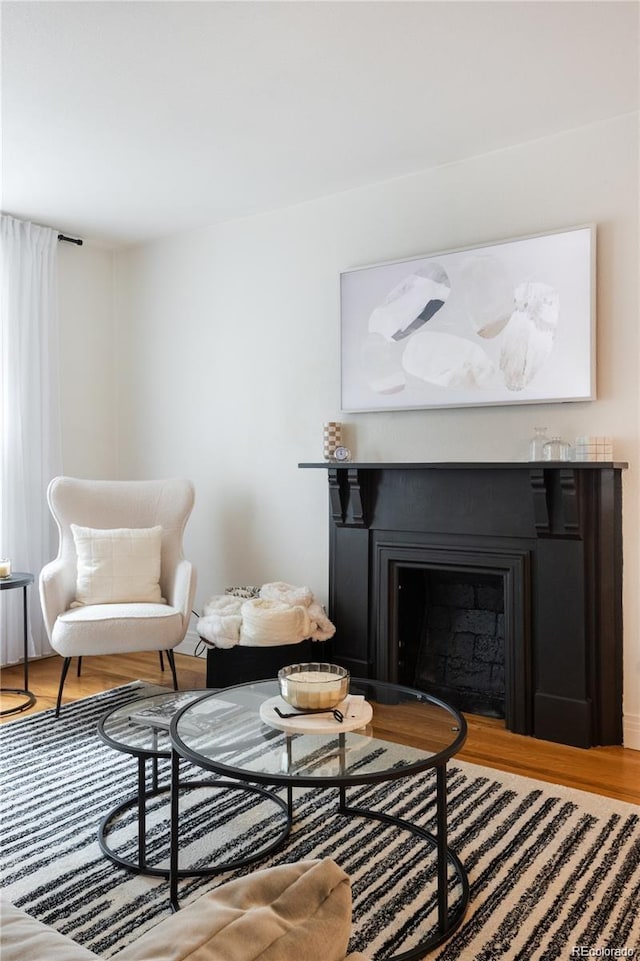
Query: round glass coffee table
{"x": 236, "y": 732}
{"x": 140, "y": 728}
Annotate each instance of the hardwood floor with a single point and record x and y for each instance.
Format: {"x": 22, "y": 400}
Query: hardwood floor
{"x": 611, "y": 771}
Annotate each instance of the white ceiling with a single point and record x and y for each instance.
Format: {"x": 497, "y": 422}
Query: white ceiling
{"x": 123, "y": 121}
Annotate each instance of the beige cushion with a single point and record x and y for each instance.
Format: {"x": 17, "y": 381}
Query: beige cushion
{"x": 293, "y": 912}
{"x": 117, "y": 629}
{"x": 22, "y": 938}
{"x": 119, "y": 566}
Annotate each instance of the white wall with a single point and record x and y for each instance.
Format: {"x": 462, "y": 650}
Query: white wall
{"x": 229, "y": 352}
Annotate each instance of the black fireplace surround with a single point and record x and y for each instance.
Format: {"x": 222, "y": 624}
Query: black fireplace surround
{"x": 552, "y": 532}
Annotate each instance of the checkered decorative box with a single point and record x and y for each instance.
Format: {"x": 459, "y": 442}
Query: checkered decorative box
{"x": 591, "y": 448}
{"x": 331, "y": 438}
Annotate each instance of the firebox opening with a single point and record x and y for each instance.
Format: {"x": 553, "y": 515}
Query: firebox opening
{"x": 451, "y": 629}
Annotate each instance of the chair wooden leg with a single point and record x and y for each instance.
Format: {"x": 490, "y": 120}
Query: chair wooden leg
{"x": 79, "y": 666}
{"x": 63, "y": 675}
{"x": 161, "y": 661}
{"x": 172, "y": 665}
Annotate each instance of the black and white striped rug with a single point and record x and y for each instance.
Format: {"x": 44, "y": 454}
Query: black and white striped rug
{"x": 553, "y": 873}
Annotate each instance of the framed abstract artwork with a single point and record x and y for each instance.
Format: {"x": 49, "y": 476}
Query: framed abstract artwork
{"x": 504, "y": 323}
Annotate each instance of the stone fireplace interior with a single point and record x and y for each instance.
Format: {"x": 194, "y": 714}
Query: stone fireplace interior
{"x": 450, "y": 637}
{"x": 496, "y": 587}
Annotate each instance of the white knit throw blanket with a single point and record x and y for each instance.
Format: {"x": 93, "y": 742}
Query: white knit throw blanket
{"x": 271, "y": 623}
{"x": 283, "y": 614}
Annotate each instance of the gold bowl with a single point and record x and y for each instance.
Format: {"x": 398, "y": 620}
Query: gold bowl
{"x": 313, "y": 686}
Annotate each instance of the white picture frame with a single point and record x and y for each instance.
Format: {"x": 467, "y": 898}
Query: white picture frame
{"x": 498, "y": 324}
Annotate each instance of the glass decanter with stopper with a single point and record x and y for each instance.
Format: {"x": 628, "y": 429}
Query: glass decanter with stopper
{"x": 537, "y": 442}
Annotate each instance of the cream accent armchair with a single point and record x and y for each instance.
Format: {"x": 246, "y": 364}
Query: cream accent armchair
{"x": 118, "y": 628}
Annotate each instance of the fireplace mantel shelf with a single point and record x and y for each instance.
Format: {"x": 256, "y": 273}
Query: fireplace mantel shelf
{"x": 470, "y": 465}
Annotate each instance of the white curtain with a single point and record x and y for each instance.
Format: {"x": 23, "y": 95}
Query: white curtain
{"x": 30, "y": 420}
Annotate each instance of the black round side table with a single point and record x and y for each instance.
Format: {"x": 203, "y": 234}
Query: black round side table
{"x": 6, "y": 584}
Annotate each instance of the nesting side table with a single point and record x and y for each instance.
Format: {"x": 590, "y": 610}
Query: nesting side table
{"x": 22, "y": 580}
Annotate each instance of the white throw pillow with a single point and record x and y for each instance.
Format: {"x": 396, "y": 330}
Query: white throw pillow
{"x": 119, "y": 566}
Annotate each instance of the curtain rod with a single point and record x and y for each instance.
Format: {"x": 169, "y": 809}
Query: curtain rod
{"x": 70, "y": 240}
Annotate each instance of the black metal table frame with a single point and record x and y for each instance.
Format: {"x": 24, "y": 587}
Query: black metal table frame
{"x": 139, "y": 800}
{"x": 23, "y": 580}
{"x": 447, "y": 921}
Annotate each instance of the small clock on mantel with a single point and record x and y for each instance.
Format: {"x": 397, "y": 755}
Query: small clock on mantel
{"x": 342, "y": 454}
